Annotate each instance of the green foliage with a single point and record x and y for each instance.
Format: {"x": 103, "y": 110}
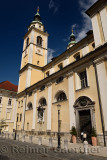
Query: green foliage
{"x": 73, "y": 131}
{"x": 93, "y": 133}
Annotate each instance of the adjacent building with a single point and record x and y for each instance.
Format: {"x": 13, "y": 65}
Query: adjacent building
{"x": 8, "y": 96}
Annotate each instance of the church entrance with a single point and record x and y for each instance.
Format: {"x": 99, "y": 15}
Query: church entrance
{"x": 85, "y": 123}
{"x": 85, "y": 117}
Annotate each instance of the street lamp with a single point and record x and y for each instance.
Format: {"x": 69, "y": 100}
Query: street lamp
{"x": 16, "y": 128}
{"x": 59, "y": 107}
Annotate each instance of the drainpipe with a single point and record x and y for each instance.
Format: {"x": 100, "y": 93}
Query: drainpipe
{"x": 100, "y": 104}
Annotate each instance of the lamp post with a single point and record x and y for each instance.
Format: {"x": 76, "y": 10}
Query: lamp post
{"x": 16, "y": 129}
{"x": 59, "y": 107}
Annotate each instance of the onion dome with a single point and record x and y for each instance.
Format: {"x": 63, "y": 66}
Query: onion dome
{"x": 37, "y": 17}
{"x": 72, "y": 39}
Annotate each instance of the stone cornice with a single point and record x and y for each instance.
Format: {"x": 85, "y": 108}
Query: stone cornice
{"x": 96, "y": 7}
{"x": 37, "y": 30}
{"x": 30, "y": 65}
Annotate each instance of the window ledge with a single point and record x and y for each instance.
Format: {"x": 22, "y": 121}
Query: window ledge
{"x": 60, "y": 101}
{"x": 82, "y": 89}
{"x": 29, "y": 109}
{"x": 40, "y": 122}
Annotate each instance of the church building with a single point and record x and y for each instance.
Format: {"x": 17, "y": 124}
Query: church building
{"x": 76, "y": 80}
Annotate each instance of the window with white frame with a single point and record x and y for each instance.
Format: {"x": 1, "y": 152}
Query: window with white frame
{"x": 81, "y": 79}
{"x": 61, "y": 97}
{"x": 10, "y": 102}
{"x": 0, "y": 100}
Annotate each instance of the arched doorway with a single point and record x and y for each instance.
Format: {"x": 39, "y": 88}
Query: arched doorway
{"x": 85, "y": 116}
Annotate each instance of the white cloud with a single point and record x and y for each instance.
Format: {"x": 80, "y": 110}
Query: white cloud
{"x": 50, "y": 54}
{"x": 84, "y": 5}
{"x": 54, "y": 6}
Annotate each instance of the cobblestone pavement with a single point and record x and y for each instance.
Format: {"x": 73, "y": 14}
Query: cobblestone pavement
{"x": 16, "y": 150}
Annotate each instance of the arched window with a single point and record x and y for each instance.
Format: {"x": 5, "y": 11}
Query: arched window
{"x": 29, "y": 106}
{"x": 39, "y": 41}
{"x": 61, "y": 97}
{"x": 27, "y": 42}
{"x": 42, "y": 102}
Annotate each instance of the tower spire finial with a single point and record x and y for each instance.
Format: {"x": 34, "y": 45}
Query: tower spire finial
{"x": 38, "y": 9}
{"x": 72, "y": 29}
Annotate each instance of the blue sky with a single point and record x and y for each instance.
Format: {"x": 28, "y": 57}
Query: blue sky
{"x": 58, "y": 17}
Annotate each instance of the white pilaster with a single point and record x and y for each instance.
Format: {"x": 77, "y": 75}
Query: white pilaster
{"x": 28, "y": 78}
{"x": 103, "y": 15}
{"x": 102, "y": 80}
{"x": 46, "y": 51}
{"x": 85, "y": 50}
{"x": 71, "y": 99}
{"x": 66, "y": 61}
{"x": 45, "y": 57}
{"x": 14, "y": 113}
{"x": 96, "y": 31}
{"x": 23, "y": 114}
{"x": 34, "y": 110}
{"x": 52, "y": 70}
{"x": 49, "y": 107}
{"x": 30, "y": 56}
{"x": 77, "y": 81}
{"x": 19, "y": 83}
{"x": 32, "y": 36}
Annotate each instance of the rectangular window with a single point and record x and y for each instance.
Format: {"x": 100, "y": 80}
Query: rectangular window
{"x": 60, "y": 66}
{"x": 83, "y": 79}
{"x": 77, "y": 56}
{"x": 21, "y": 103}
{"x": 20, "y": 117}
{"x": 0, "y": 100}
{"x": 47, "y": 74}
{"x": 27, "y": 42}
{"x": 10, "y": 102}
{"x": 17, "y": 117}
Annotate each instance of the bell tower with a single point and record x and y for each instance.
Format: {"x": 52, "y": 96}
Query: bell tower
{"x": 34, "y": 55}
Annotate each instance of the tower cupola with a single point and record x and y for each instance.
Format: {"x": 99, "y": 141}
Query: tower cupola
{"x": 36, "y": 23}
{"x": 72, "y": 40}
{"x": 37, "y": 17}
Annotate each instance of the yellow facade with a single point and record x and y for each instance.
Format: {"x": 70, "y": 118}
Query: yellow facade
{"x": 72, "y": 80}
{"x": 8, "y": 111}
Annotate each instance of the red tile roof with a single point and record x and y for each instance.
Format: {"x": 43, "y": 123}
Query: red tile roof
{"x": 8, "y": 86}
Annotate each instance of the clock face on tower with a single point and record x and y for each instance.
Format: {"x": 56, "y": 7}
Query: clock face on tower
{"x": 39, "y": 51}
